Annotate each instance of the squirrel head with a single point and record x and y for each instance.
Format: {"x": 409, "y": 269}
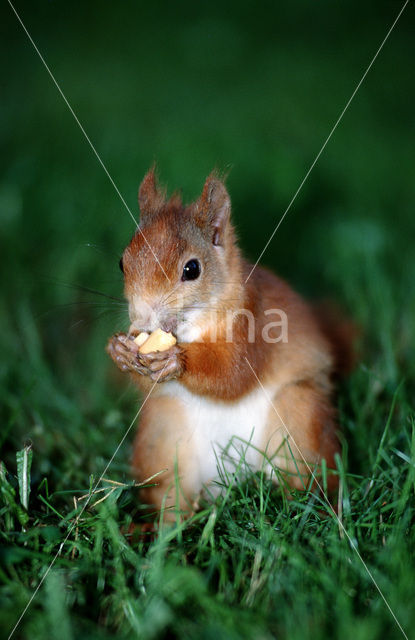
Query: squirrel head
{"x": 182, "y": 268}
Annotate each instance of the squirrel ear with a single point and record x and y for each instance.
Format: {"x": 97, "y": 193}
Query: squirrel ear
{"x": 150, "y": 197}
{"x": 213, "y": 208}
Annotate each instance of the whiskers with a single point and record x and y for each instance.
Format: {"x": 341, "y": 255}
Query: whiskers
{"x": 84, "y": 312}
{"x": 120, "y": 319}
{"x": 84, "y": 289}
{"x": 166, "y": 299}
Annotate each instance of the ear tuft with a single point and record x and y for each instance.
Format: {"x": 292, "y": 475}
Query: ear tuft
{"x": 213, "y": 208}
{"x": 150, "y": 197}
{"x": 175, "y": 201}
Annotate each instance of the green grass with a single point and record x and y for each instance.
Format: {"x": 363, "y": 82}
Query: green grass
{"x": 196, "y": 87}
{"x": 253, "y": 564}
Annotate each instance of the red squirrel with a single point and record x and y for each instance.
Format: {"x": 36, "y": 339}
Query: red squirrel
{"x": 235, "y": 375}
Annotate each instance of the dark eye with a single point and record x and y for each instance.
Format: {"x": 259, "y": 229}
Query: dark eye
{"x": 191, "y": 270}
{"x": 121, "y": 265}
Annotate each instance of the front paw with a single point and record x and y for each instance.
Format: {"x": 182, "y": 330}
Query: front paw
{"x": 124, "y": 351}
{"x": 164, "y": 365}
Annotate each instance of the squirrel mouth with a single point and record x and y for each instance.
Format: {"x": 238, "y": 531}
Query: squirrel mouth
{"x": 169, "y": 325}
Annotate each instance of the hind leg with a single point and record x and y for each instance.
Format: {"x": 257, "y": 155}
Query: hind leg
{"x": 301, "y": 431}
{"x": 163, "y": 446}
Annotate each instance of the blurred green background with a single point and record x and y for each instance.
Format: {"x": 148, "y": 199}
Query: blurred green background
{"x": 253, "y": 89}
{"x": 192, "y": 86}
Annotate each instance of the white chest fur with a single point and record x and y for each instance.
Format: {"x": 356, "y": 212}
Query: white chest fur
{"x": 220, "y": 432}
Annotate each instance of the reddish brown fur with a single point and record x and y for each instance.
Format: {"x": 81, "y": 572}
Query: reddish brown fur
{"x": 300, "y": 370}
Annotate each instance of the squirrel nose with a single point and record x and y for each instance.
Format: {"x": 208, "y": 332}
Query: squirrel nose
{"x": 169, "y": 325}
{"x": 143, "y": 316}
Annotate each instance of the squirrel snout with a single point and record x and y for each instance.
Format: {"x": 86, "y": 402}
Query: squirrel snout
{"x": 169, "y": 325}
{"x": 145, "y": 317}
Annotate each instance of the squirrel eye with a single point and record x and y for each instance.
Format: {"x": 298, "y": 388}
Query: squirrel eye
{"x": 191, "y": 270}
{"x": 121, "y": 265}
